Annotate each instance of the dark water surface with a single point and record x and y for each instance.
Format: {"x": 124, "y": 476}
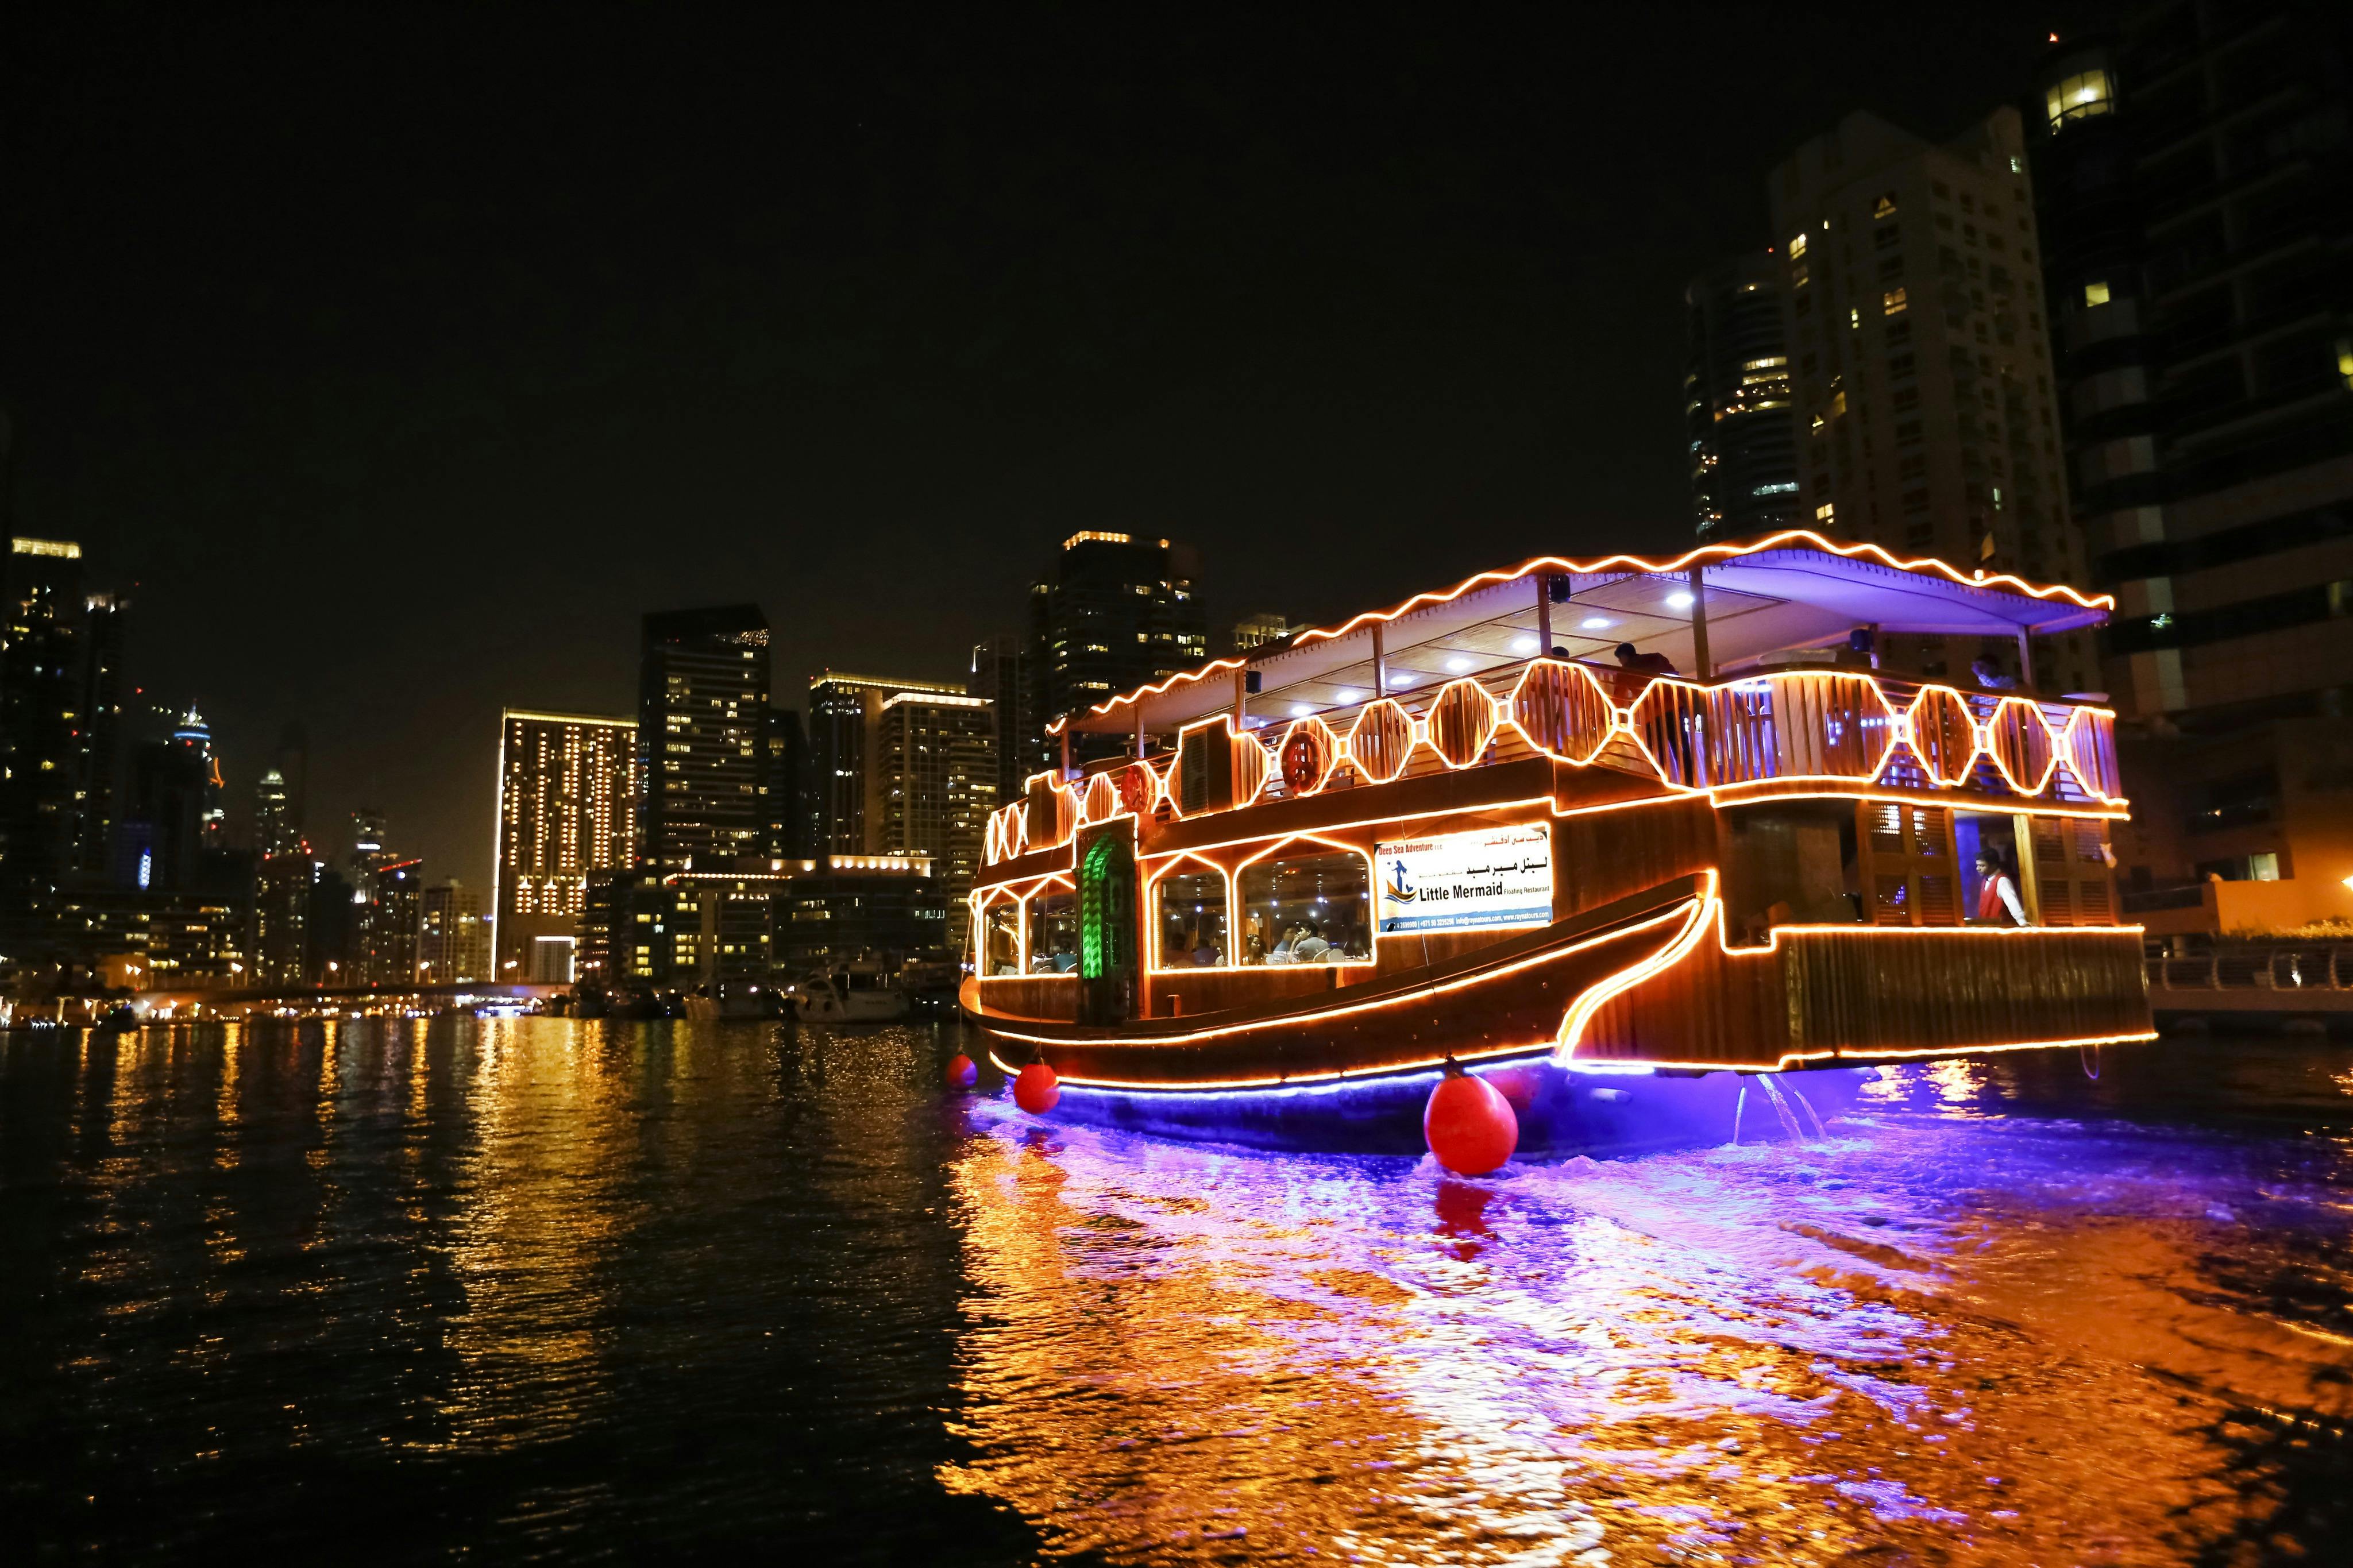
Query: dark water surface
{"x": 558, "y": 1291}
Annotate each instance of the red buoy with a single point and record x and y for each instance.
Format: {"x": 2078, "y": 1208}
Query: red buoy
{"x": 1469, "y": 1125}
{"x": 962, "y": 1073}
{"x": 1037, "y": 1089}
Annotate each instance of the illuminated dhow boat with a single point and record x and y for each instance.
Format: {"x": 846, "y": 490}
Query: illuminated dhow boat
{"x": 1464, "y": 832}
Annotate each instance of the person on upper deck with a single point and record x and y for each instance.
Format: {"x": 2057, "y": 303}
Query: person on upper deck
{"x": 1990, "y": 675}
{"x": 1637, "y": 670}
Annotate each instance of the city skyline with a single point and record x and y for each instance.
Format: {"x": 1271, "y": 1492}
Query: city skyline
{"x": 353, "y": 419}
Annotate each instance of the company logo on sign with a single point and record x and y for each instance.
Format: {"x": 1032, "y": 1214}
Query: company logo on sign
{"x": 1466, "y": 881}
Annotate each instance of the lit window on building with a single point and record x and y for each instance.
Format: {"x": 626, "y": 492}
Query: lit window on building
{"x": 1826, "y": 512}
{"x": 1892, "y": 302}
{"x": 2079, "y": 96}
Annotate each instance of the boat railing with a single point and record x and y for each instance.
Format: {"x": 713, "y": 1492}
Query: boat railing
{"x": 1740, "y": 733}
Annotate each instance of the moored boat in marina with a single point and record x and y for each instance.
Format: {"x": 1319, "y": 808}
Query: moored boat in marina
{"x": 1490, "y": 829}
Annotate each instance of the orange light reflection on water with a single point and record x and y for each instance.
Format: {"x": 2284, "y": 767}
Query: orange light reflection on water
{"x": 1882, "y": 1345}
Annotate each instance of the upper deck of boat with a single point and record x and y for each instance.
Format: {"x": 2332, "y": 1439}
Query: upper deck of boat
{"x": 1773, "y": 697}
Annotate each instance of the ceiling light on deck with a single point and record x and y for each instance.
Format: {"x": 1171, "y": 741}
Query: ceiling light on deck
{"x": 1346, "y": 695}
{"x": 1301, "y": 710}
{"x": 1679, "y": 601}
{"x": 1595, "y": 623}
{"x": 1523, "y": 645}
{"x": 1396, "y": 681}
{"x": 1457, "y": 665}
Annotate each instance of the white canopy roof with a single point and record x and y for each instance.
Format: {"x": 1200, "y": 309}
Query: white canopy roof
{"x": 1789, "y": 591}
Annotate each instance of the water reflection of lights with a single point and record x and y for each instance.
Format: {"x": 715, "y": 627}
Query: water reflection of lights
{"x": 1771, "y": 1354}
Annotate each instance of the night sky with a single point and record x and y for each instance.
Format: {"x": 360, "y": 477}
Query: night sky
{"x": 402, "y": 358}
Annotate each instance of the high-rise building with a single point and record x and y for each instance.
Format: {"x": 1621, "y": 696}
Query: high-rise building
{"x": 910, "y": 768}
{"x": 161, "y": 840}
{"x": 934, "y": 772}
{"x": 274, "y": 828}
{"x": 281, "y": 943}
{"x": 386, "y": 953}
{"x": 453, "y": 935}
{"x": 1922, "y": 385}
{"x": 194, "y": 737}
{"x": 1742, "y": 426}
{"x": 1002, "y": 672}
{"x": 99, "y": 786}
{"x": 702, "y": 752}
{"x": 791, "y": 831}
{"x": 1116, "y": 612}
{"x": 41, "y": 760}
{"x": 565, "y": 805}
{"x": 2199, "y": 281}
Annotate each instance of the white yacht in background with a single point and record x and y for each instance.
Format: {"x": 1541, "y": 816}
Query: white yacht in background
{"x": 860, "y": 993}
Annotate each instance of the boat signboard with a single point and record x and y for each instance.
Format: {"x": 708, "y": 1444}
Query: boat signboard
{"x": 1465, "y": 881}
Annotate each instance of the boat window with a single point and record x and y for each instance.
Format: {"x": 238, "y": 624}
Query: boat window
{"x": 1308, "y": 909}
{"x": 1054, "y": 932}
{"x": 1993, "y": 889}
{"x": 1192, "y": 912}
{"x": 1000, "y": 943}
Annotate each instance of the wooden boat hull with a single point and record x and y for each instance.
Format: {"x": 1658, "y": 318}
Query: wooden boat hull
{"x": 1503, "y": 1001}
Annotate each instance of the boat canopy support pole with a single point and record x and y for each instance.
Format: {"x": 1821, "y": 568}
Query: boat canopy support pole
{"x": 1066, "y": 753}
{"x": 1241, "y": 702}
{"x": 2025, "y": 659}
{"x": 1380, "y": 664}
{"x": 1544, "y": 615}
{"x": 1703, "y": 666}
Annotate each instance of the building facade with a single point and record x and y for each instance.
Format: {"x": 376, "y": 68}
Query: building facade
{"x": 1927, "y": 416}
{"x": 385, "y": 934}
{"x": 453, "y": 935}
{"x": 701, "y": 751}
{"x": 845, "y": 907}
{"x": 2200, "y": 276}
{"x": 934, "y": 773}
{"x": 1003, "y": 676}
{"x": 910, "y": 768}
{"x": 566, "y": 805}
{"x": 1115, "y": 612}
{"x": 792, "y": 833}
{"x": 1742, "y": 423}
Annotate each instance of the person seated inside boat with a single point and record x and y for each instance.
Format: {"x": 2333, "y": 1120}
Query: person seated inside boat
{"x": 1201, "y": 950}
{"x": 1637, "y": 670}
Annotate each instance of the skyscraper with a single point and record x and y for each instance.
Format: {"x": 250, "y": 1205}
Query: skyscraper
{"x": 2199, "y": 281}
{"x": 99, "y": 786}
{"x": 566, "y": 806}
{"x": 1743, "y": 429}
{"x": 791, "y": 832}
{"x": 453, "y": 936}
{"x": 1003, "y": 673}
{"x": 384, "y": 950}
{"x": 42, "y": 694}
{"x": 274, "y": 828}
{"x": 910, "y": 767}
{"x": 1923, "y": 377}
{"x": 702, "y": 756}
{"x": 1117, "y": 611}
{"x": 934, "y": 770}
